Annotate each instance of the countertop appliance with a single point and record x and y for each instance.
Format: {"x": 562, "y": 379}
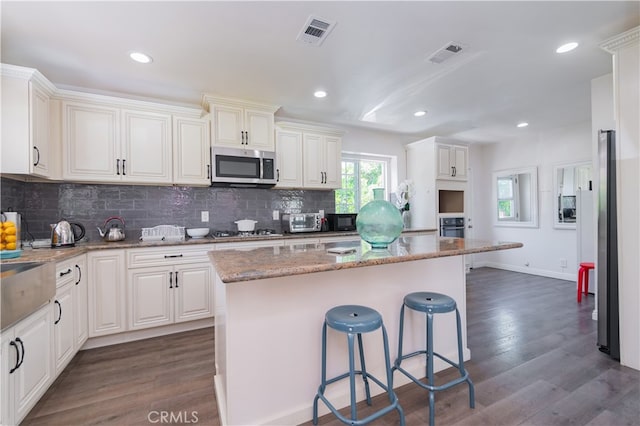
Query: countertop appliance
{"x": 25, "y": 287}
{"x": 63, "y": 233}
{"x": 607, "y": 262}
{"x": 452, "y": 227}
{"x": 342, "y": 221}
{"x": 301, "y": 222}
{"x": 114, "y": 232}
{"x": 243, "y": 167}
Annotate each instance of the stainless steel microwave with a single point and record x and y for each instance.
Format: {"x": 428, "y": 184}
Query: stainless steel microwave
{"x": 242, "y": 167}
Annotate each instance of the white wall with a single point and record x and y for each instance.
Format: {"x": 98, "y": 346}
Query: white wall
{"x": 543, "y": 246}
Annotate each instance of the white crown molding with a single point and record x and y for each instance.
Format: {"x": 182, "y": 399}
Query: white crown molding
{"x": 208, "y": 99}
{"x": 625, "y": 39}
{"x": 15, "y": 71}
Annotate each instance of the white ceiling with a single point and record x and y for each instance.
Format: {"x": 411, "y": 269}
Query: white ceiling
{"x": 373, "y": 64}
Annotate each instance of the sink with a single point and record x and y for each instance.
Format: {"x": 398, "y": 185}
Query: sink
{"x": 25, "y": 287}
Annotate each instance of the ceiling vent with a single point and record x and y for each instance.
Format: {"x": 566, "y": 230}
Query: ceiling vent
{"x": 315, "y": 30}
{"x": 445, "y": 53}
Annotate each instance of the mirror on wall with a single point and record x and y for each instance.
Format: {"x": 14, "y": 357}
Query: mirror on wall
{"x": 515, "y": 197}
{"x": 568, "y": 179}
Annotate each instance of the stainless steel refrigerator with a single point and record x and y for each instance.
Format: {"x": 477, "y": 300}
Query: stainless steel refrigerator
{"x": 607, "y": 263}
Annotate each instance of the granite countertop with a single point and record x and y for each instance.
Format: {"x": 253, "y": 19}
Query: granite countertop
{"x": 270, "y": 262}
{"x": 60, "y": 254}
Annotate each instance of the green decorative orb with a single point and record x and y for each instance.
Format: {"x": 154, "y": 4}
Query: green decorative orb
{"x": 379, "y": 223}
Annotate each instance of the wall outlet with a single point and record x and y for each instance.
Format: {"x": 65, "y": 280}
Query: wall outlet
{"x": 204, "y": 216}
{"x": 563, "y": 263}
{"x": 276, "y": 215}
{"x": 321, "y": 213}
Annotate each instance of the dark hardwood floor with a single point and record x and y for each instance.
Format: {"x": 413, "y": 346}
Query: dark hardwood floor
{"x": 535, "y": 362}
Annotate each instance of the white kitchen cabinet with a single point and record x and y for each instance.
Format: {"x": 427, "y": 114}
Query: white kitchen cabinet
{"x": 80, "y": 299}
{"x": 91, "y": 142}
{"x": 241, "y": 124}
{"x": 452, "y": 161}
{"x": 27, "y": 364}
{"x": 191, "y": 151}
{"x": 104, "y": 143}
{"x": 63, "y": 326}
{"x": 107, "y": 292}
{"x": 319, "y": 159}
{"x": 322, "y": 161}
{"x": 145, "y": 151}
{"x": 169, "y": 285}
{"x": 288, "y": 159}
{"x": 26, "y": 144}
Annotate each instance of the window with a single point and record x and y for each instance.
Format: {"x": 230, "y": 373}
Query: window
{"x": 360, "y": 175}
{"x": 506, "y": 198}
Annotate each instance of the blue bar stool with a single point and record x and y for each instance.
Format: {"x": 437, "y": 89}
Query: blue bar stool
{"x": 433, "y": 303}
{"x": 355, "y": 320}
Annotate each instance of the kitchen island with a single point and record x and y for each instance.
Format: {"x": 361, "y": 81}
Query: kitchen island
{"x": 270, "y": 306}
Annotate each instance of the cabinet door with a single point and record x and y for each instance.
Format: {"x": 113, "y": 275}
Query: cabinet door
{"x": 34, "y": 376}
{"x": 40, "y": 132}
{"x": 107, "y": 299}
{"x": 443, "y": 157}
{"x": 146, "y": 147}
{"x": 91, "y": 142}
{"x": 191, "y": 154}
{"x": 150, "y": 292}
{"x": 227, "y": 126}
{"x": 259, "y": 128}
{"x": 193, "y": 291}
{"x": 63, "y": 326}
{"x": 460, "y": 157}
{"x": 80, "y": 301}
{"x": 333, "y": 162}
{"x": 289, "y": 159}
{"x": 314, "y": 160}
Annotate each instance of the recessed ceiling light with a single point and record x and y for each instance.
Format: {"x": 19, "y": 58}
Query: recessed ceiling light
{"x": 140, "y": 57}
{"x": 567, "y": 47}
{"x": 523, "y": 124}
{"x": 419, "y": 113}
{"x": 320, "y": 94}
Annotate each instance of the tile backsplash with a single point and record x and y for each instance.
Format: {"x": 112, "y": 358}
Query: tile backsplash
{"x": 146, "y": 206}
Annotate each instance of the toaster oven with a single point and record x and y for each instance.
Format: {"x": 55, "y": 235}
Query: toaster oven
{"x": 301, "y": 222}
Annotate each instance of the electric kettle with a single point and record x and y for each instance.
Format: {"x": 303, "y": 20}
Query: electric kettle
{"x": 114, "y": 232}
{"x": 63, "y": 233}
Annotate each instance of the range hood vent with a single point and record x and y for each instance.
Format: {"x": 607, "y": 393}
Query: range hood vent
{"x": 445, "y": 53}
{"x": 315, "y": 30}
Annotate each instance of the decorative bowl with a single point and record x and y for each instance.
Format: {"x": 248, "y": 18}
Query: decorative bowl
{"x": 197, "y": 232}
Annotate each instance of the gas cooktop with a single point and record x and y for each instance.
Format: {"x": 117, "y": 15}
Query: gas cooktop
{"x": 256, "y": 233}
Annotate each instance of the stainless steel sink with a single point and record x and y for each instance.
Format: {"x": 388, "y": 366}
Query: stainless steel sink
{"x": 25, "y": 287}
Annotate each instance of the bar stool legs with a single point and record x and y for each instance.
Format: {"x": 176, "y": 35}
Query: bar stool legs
{"x": 355, "y": 320}
{"x": 431, "y": 303}
{"x": 583, "y": 279}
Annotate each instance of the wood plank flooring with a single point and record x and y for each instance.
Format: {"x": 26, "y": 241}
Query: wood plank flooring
{"x": 535, "y": 362}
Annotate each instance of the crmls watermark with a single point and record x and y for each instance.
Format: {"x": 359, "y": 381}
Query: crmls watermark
{"x": 172, "y": 417}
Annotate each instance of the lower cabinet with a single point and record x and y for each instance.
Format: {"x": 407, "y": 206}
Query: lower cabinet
{"x": 63, "y": 323}
{"x": 27, "y": 364}
{"x": 106, "y": 292}
{"x": 180, "y": 289}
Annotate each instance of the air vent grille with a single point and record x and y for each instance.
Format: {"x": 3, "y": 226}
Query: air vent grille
{"x": 445, "y": 53}
{"x": 315, "y": 30}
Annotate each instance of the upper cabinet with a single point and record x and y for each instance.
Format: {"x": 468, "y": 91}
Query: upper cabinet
{"x": 108, "y": 141}
{"x": 191, "y": 151}
{"x": 308, "y": 156}
{"x": 27, "y": 146}
{"x": 452, "y": 161}
{"x": 241, "y": 124}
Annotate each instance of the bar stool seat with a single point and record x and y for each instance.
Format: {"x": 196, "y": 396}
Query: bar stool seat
{"x": 433, "y": 303}
{"x": 355, "y": 320}
{"x": 583, "y": 278}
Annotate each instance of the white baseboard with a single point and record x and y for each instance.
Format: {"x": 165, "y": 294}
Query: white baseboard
{"x": 131, "y": 336}
{"x": 527, "y": 270}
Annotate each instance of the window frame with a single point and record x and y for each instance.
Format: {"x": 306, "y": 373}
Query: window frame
{"x": 356, "y": 158}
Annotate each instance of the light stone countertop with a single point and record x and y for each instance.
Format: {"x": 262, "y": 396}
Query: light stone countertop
{"x": 81, "y": 247}
{"x": 271, "y": 262}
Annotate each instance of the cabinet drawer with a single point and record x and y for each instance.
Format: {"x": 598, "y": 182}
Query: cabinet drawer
{"x": 64, "y": 272}
{"x": 137, "y": 258}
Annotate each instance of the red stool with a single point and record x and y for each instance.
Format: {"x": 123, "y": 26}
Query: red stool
{"x": 583, "y": 278}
